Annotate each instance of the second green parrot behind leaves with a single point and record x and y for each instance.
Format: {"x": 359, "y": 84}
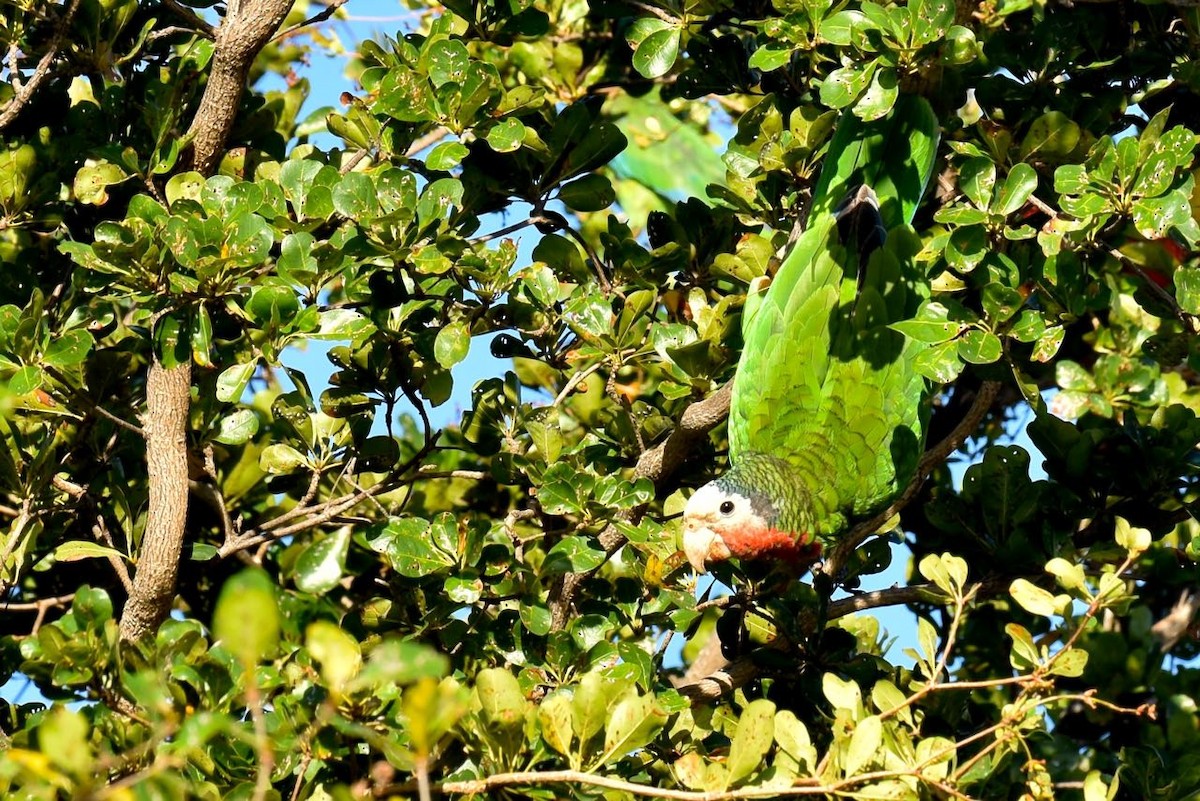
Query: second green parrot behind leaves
{"x": 828, "y": 415}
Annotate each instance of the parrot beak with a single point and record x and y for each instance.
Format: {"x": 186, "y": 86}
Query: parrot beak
{"x": 700, "y": 543}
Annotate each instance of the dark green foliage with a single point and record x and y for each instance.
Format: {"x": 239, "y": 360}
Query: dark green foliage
{"x": 368, "y": 601}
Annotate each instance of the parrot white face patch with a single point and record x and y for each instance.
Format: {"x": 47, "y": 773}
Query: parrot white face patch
{"x": 709, "y": 513}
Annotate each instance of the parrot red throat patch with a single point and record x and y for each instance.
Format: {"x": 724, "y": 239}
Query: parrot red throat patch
{"x": 772, "y": 543}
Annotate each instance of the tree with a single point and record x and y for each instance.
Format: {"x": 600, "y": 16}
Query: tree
{"x": 225, "y": 584}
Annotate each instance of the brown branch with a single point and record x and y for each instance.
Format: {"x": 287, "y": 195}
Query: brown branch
{"x": 306, "y": 518}
{"x": 195, "y": 20}
{"x": 39, "y": 605}
{"x": 91, "y": 405}
{"x": 168, "y": 395}
{"x": 932, "y": 458}
{"x": 319, "y": 17}
{"x": 247, "y": 28}
{"x": 811, "y": 786}
{"x": 40, "y": 73}
{"x": 657, "y": 465}
{"x": 729, "y": 677}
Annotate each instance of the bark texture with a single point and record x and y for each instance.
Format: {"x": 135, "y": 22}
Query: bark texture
{"x": 247, "y": 28}
{"x": 168, "y": 396}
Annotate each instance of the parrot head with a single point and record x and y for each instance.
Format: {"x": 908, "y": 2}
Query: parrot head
{"x": 739, "y": 516}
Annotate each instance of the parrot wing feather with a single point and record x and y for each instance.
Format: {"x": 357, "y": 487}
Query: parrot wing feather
{"x": 823, "y": 382}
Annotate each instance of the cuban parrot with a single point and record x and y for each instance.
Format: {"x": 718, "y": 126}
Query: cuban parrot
{"x": 828, "y": 414}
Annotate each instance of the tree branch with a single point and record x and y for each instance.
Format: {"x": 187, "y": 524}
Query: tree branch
{"x": 732, "y": 675}
{"x": 247, "y": 28}
{"x": 40, "y": 73}
{"x": 657, "y": 465}
{"x": 319, "y": 17}
{"x": 168, "y": 395}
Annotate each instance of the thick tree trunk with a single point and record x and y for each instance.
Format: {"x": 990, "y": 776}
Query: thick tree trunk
{"x": 248, "y": 27}
{"x": 168, "y": 396}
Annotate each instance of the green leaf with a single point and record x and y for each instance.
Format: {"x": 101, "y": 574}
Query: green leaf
{"x": 1187, "y": 289}
{"x": 63, "y": 740}
{"x": 1070, "y": 663}
{"x": 977, "y": 177}
{"x": 500, "y": 698}
{"x": 1132, "y": 539}
{"x": 246, "y": 619}
{"x": 463, "y": 590}
{"x": 865, "y": 742}
{"x": 74, "y": 550}
{"x": 573, "y": 554}
{"x": 751, "y": 740}
{"x": 1049, "y": 343}
{"x": 322, "y": 564}
{"x": 844, "y": 85}
{"x": 947, "y": 571}
{"x": 237, "y": 428}
{"x": 507, "y": 135}
{"x": 337, "y": 652}
{"x": 1025, "y": 654}
{"x": 838, "y": 28}
{"x": 967, "y": 247}
{"x": 655, "y": 44}
{"x": 202, "y": 337}
{"x": 447, "y": 155}
{"x": 979, "y": 347}
{"x": 184, "y": 186}
{"x": 446, "y": 61}
{"x": 1020, "y": 184}
{"x": 940, "y": 363}
{"x": 280, "y": 458}
{"x": 633, "y": 724}
{"x": 880, "y": 95}
{"x": 92, "y": 182}
{"x": 931, "y": 325}
{"x": 793, "y": 738}
{"x": 27, "y": 380}
{"x": 1052, "y": 135}
{"x": 172, "y": 344}
{"x": 593, "y": 697}
{"x": 1070, "y": 576}
{"x": 841, "y": 694}
{"x": 273, "y": 305}
{"x": 592, "y": 192}
{"x": 355, "y": 197}
{"x": 554, "y": 719}
{"x": 232, "y": 382}
{"x": 409, "y": 548}
{"x": 395, "y": 662}
{"x": 1037, "y": 601}
{"x": 452, "y": 344}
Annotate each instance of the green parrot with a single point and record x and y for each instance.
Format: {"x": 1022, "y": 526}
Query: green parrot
{"x": 828, "y": 414}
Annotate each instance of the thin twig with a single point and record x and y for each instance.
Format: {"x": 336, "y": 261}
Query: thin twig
{"x": 574, "y": 381}
{"x": 41, "y": 72}
{"x": 35, "y": 606}
{"x": 505, "y": 231}
{"x": 319, "y": 17}
{"x": 657, "y": 465}
{"x": 195, "y": 20}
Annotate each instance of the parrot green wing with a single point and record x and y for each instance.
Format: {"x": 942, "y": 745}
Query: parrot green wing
{"x": 823, "y": 383}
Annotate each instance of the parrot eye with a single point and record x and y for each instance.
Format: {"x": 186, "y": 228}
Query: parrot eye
{"x": 726, "y": 507}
